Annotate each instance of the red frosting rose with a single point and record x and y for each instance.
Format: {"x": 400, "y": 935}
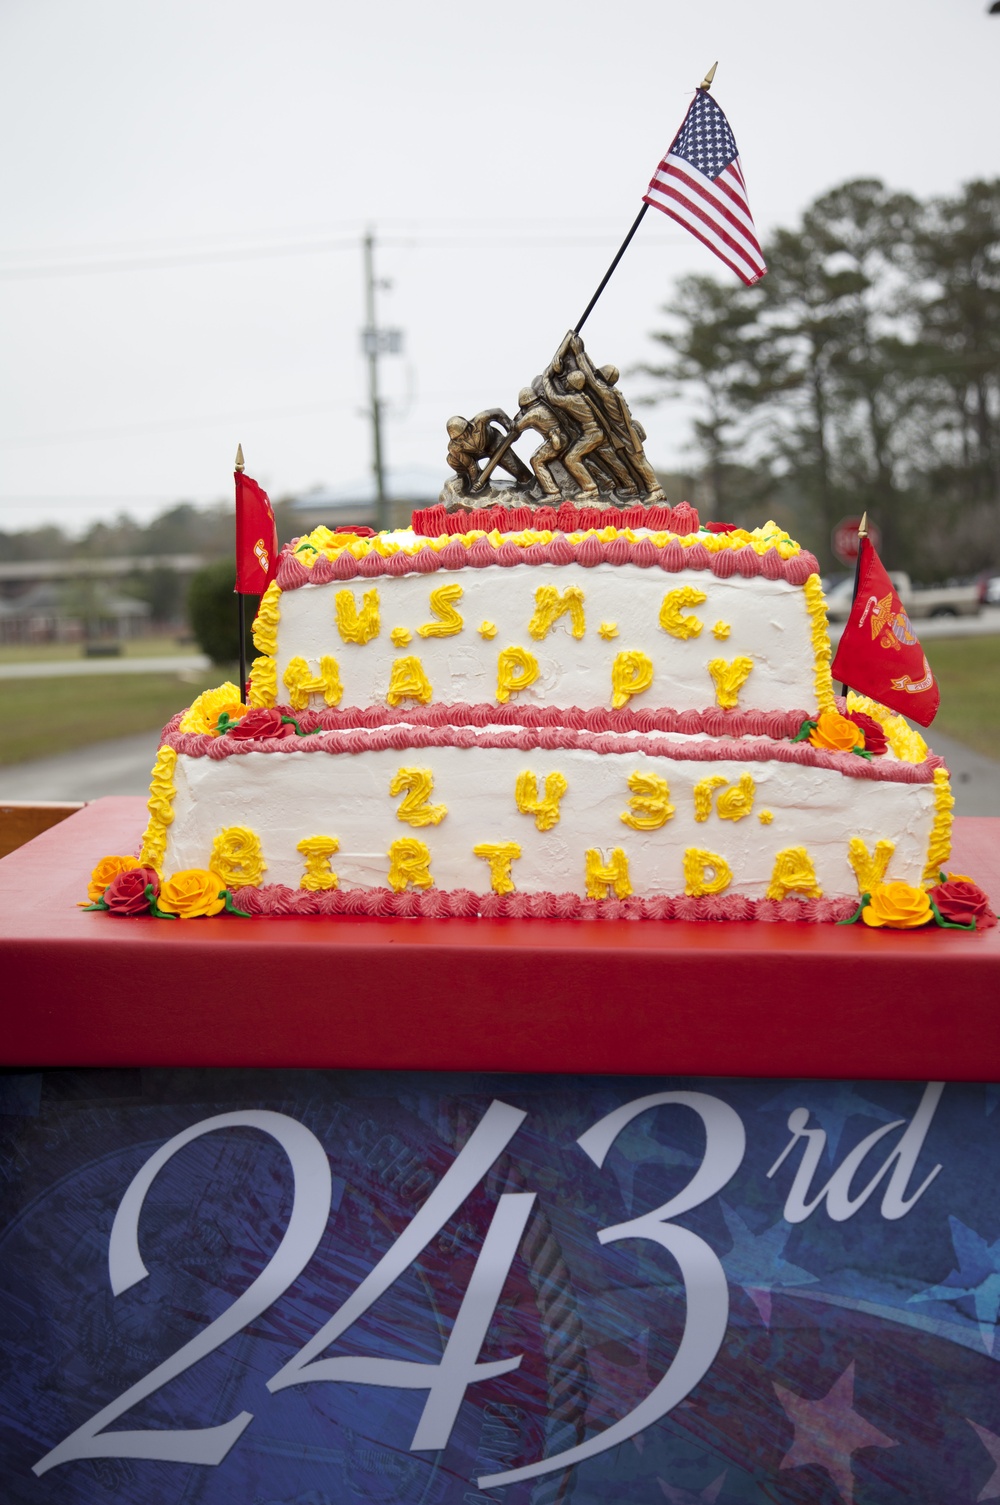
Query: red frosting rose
{"x": 876, "y": 740}
{"x": 260, "y": 723}
{"x": 721, "y": 527}
{"x": 960, "y": 901}
{"x": 126, "y": 894}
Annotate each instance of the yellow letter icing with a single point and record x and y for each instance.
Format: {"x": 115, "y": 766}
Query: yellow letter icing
{"x": 730, "y": 676}
{"x": 408, "y": 682}
{"x": 442, "y": 605}
{"x": 734, "y": 803}
{"x": 650, "y": 807}
{"x": 721, "y": 630}
{"x": 631, "y": 673}
{"x": 550, "y": 605}
{"x": 601, "y": 877}
{"x": 697, "y": 865}
{"x": 300, "y": 683}
{"x": 414, "y": 809}
{"x": 487, "y": 629}
{"x": 317, "y": 851}
{"x": 409, "y": 862}
{"x": 237, "y": 857}
{"x": 703, "y": 791}
{"x": 794, "y": 874}
{"x": 516, "y": 670}
{"x": 869, "y": 868}
{"x": 545, "y": 811}
{"x": 400, "y": 636}
{"x": 499, "y": 855}
{"x": 671, "y": 619}
{"x": 355, "y": 626}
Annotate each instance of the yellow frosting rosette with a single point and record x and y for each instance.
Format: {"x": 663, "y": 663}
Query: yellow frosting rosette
{"x": 898, "y": 906}
{"x": 834, "y": 733}
{"x": 106, "y": 870}
{"x": 194, "y": 892}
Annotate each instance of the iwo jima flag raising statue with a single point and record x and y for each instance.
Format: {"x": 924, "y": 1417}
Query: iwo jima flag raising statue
{"x": 592, "y": 448}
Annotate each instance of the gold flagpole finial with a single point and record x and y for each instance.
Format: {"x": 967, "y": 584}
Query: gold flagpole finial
{"x": 706, "y": 82}
{"x": 863, "y": 526}
{"x": 239, "y": 458}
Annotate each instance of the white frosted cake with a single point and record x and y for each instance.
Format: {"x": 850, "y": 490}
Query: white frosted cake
{"x": 632, "y": 718}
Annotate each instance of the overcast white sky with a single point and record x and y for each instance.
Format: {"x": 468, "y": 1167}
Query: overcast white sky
{"x": 184, "y": 184}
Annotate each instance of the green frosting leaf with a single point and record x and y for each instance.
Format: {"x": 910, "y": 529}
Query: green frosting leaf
{"x": 800, "y": 736}
{"x": 866, "y": 899}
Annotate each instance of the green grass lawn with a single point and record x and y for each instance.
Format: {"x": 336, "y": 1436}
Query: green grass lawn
{"x": 42, "y": 717}
{"x": 968, "y": 673}
{"x": 36, "y": 653}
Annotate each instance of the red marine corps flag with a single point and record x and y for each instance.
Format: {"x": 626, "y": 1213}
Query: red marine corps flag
{"x": 879, "y": 654}
{"x": 256, "y": 535}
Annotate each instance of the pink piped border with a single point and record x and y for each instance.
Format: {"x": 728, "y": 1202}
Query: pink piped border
{"x": 589, "y": 552}
{"x": 376, "y": 730}
{"x": 432, "y": 522}
{"x": 275, "y": 901}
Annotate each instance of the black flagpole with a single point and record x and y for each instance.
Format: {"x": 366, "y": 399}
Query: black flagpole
{"x": 241, "y": 610}
{"x": 607, "y": 276}
{"x": 705, "y": 84}
{"x": 862, "y": 535}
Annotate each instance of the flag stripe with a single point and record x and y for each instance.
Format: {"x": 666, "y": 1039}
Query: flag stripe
{"x": 707, "y": 225}
{"x": 692, "y": 213}
{"x": 712, "y": 246}
{"x": 736, "y": 210}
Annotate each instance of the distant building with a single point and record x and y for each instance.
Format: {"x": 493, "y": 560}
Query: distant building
{"x": 408, "y": 487}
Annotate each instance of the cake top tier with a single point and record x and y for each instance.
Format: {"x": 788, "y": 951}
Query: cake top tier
{"x": 588, "y": 618}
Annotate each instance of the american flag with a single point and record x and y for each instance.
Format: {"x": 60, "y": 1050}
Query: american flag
{"x": 699, "y": 184}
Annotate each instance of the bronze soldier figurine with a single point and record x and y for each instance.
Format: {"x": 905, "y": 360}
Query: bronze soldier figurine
{"x": 473, "y": 439}
{"x": 591, "y": 445}
{"x": 536, "y": 414}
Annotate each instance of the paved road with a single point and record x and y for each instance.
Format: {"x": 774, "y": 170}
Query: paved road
{"x": 177, "y": 663}
{"x": 987, "y": 624}
{"x": 119, "y": 767}
{"x": 123, "y": 767}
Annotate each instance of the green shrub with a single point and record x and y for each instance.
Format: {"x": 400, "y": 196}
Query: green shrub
{"x": 212, "y": 609}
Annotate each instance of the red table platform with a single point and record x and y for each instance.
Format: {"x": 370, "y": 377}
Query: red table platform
{"x": 87, "y": 989}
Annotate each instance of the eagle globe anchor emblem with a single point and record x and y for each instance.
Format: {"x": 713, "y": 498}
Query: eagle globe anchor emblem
{"x": 894, "y": 626}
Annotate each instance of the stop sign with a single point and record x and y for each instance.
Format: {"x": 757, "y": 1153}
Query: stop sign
{"x": 845, "y": 542}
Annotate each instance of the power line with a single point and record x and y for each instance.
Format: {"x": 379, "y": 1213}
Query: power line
{"x": 161, "y": 261}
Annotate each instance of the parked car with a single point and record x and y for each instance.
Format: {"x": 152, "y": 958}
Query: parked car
{"x": 917, "y": 600}
{"x": 989, "y": 590}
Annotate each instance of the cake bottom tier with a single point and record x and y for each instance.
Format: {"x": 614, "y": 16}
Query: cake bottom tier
{"x": 537, "y": 821}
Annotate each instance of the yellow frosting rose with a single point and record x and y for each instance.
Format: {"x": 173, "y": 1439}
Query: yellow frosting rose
{"x": 899, "y": 906}
{"x": 204, "y": 712}
{"x": 193, "y": 892}
{"x": 107, "y": 869}
{"x": 834, "y": 733}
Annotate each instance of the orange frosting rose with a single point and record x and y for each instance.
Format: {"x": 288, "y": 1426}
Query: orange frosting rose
{"x": 191, "y": 893}
{"x": 900, "y": 906}
{"x": 107, "y": 869}
{"x": 834, "y": 733}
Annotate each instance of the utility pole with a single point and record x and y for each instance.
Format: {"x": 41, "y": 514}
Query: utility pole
{"x": 371, "y": 345}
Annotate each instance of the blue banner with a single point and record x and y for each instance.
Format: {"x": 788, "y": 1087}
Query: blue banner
{"x": 306, "y": 1288}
